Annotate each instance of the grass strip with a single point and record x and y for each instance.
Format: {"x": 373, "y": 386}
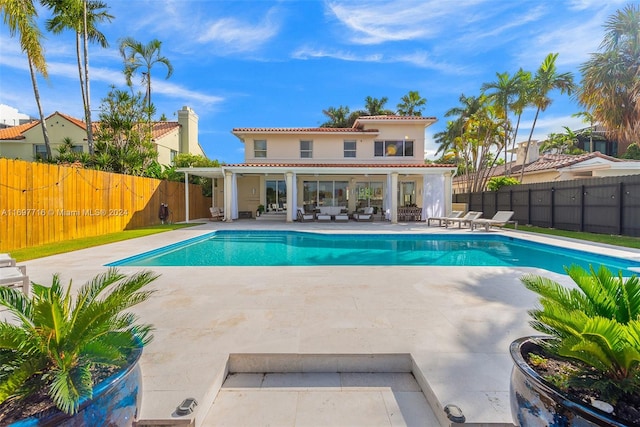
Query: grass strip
{"x": 624, "y": 241}
{"x": 41, "y": 251}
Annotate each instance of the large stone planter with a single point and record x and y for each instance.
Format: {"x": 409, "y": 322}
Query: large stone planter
{"x": 536, "y": 402}
{"x": 115, "y": 403}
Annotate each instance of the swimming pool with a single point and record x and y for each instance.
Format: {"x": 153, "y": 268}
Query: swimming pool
{"x": 295, "y": 248}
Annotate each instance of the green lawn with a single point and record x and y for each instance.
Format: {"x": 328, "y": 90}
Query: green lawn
{"x": 88, "y": 242}
{"x": 625, "y": 241}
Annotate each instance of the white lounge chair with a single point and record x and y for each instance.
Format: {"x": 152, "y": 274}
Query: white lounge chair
{"x": 454, "y": 214}
{"x": 465, "y": 220}
{"x": 7, "y": 261}
{"x": 365, "y": 215}
{"x": 11, "y": 276}
{"x": 500, "y": 219}
{"x": 305, "y": 216}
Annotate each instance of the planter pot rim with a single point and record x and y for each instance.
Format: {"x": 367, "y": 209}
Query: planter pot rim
{"x": 102, "y": 387}
{"x": 583, "y": 409}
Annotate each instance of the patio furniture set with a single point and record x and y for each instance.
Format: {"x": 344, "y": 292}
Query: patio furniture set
{"x": 334, "y": 213}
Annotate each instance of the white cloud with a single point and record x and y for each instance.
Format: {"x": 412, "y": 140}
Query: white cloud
{"x": 307, "y": 53}
{"x": 233, "y": 35}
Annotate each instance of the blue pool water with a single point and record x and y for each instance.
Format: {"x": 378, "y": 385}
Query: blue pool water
{"x": 293, "y": 248}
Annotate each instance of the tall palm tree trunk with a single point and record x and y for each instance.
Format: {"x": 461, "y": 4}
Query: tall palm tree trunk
{"x": 36, "y": 93}
{"x": 87, "y": 100}
{"x": 526, "y": 147}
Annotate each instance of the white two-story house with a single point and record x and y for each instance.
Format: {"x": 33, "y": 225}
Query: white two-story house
{"x": 378, "y": 163}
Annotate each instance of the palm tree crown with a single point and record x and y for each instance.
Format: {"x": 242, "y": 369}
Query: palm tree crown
{"x": 137, "y": 55}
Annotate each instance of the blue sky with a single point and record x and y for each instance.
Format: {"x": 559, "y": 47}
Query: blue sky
{"x": 280, "y": 63}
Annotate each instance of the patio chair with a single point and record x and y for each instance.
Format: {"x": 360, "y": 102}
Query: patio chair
{"x": 7, "y": 261}
{"x": 11, "y": 276}
{"x": 365, "y": 215}
{"x": 305, "y": 216}
{"x": 454, "y": 214}
{"x": 500, "y": 219}
{"x": 465, "y": 220}
{"x": 216, "y": 214}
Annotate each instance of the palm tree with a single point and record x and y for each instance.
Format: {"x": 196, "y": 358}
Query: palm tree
{"x": 521, "y": 101}
{"x": 505, "y": 89}
{"x": 375, "y": 106}
{"x": 57, "y": 339}
{"x": 20, "y": 16}
{"x": 611, "y": 79}
{"x": 338, "y": 117}
{"x": 137, "y": 55}
{"x": 545, "y": 80}
{"x": 81, "y": 16}
{"x": 412, "y": 104}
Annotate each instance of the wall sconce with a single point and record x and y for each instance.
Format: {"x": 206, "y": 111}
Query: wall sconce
{"x": 253, "y": 191}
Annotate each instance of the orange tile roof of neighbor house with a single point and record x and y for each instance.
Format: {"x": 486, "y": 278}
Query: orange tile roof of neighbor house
{"x": 16, "y": 132}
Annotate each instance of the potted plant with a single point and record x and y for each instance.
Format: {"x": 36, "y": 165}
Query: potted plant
{"x": 72, "y": 361}
{"x": 260, "y": 210}
{"x": 585, "y": 371}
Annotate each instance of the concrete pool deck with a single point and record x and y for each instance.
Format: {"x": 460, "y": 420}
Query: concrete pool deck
{"x": 446, "y": 329}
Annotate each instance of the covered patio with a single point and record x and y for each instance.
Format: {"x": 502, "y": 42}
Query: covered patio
{"x": 391, "y": 189}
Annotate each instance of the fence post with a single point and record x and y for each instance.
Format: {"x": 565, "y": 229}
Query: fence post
{"x": 553, "y": 207}
{"x": 620, "y": 207}
{"x": 529, "y": 206}
{"x": 582, "y": 194}
{"x": 496, "y": 201}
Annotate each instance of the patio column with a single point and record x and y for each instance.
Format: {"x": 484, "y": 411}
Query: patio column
{"x": 394, "y": 197}
{"x": 448, "y": 192}
{"x": 186, "y": 196}
{"x": 290, "y": 192}
{"x": 228, "y": 194}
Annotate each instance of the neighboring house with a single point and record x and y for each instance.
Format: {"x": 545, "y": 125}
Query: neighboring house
{"x": 559, "y": 167}
{"x": 378, "y": 163}
{"x": 26, "y": 141}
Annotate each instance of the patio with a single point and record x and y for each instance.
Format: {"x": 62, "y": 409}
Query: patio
{"x": 453, "y": 326}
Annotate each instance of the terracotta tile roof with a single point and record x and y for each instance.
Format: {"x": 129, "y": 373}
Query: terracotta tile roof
{"x": 559, "y": 161}
{"x": 160, "y": 129}
{"x": 549, "y": 162}
{"x": 77, "y": 122}
{"x": 16, "y": 132}
{"x": 396, "y": 118}
{"x": 303, "y": 130}
{"x": 340, "y": 165}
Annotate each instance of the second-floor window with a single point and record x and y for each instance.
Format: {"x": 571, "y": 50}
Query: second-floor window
{"x": 260, "y": 148}
{"x": 306, "y": 149}
{"x": 349, "y": 149}
{"x": 402, "y": 148}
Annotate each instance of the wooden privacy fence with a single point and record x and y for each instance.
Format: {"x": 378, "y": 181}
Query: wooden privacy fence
{"x": 608, "y": 205}
{"x": 42, "y": 203}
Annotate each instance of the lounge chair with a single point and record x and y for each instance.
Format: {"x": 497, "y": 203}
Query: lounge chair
{"x": 216, "y": 214}
{"x": 305, "y": 216}
{"x": 11, "y": 276}
{"x": 454, "y": 214}
{"x": 365, "y": 215}
{"x": 500, "y": 219}
{"x": 7, "y": 261}
{"x": 465, "y": 220}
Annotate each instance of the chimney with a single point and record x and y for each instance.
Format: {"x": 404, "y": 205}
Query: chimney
{"x": 188, "y": 121}
{"x": 534, "y": 152}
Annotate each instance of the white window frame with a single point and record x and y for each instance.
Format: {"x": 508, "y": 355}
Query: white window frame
{"x": 306, "y": 149}
{"x": 259, "y": 152}
{"x": 349, "y": 152}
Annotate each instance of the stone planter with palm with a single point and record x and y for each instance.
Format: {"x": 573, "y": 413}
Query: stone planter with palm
{"x": 73, "y": 361}
{"x": 585, "y": 371}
